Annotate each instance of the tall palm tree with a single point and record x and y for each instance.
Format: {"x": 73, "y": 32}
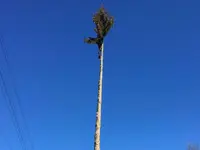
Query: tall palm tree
{"x": 103, "y": 22}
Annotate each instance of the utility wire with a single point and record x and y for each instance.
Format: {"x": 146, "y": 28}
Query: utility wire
{"x": 18, "y": 98}
{"x": 11, "y": 109}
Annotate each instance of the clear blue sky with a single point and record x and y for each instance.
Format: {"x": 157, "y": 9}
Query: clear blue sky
{"x": 151, "y": 94}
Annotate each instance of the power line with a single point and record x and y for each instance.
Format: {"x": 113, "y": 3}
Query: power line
{"x": 11, "y": 109}
{"x": 18, "y": 98}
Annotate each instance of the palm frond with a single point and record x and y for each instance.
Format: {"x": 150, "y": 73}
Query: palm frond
{"x": 91, "y": 40}
{"x": 103, "y": 23}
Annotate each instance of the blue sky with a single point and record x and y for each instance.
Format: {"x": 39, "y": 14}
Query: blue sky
{"x": 151, "y": 86}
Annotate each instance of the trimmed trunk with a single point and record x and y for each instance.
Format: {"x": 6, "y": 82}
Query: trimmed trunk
{"x": 99, "y": 103}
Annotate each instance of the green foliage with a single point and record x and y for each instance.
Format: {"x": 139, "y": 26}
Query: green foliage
{"x": 103, "y": 23}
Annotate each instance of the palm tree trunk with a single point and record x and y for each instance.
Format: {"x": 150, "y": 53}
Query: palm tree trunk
{"x": 99, "y": 103}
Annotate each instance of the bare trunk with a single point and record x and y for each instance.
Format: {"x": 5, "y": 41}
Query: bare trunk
{"x": 99, "y": 103}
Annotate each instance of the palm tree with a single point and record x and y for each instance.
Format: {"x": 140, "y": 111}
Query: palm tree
{"x": 103, "y": 22}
